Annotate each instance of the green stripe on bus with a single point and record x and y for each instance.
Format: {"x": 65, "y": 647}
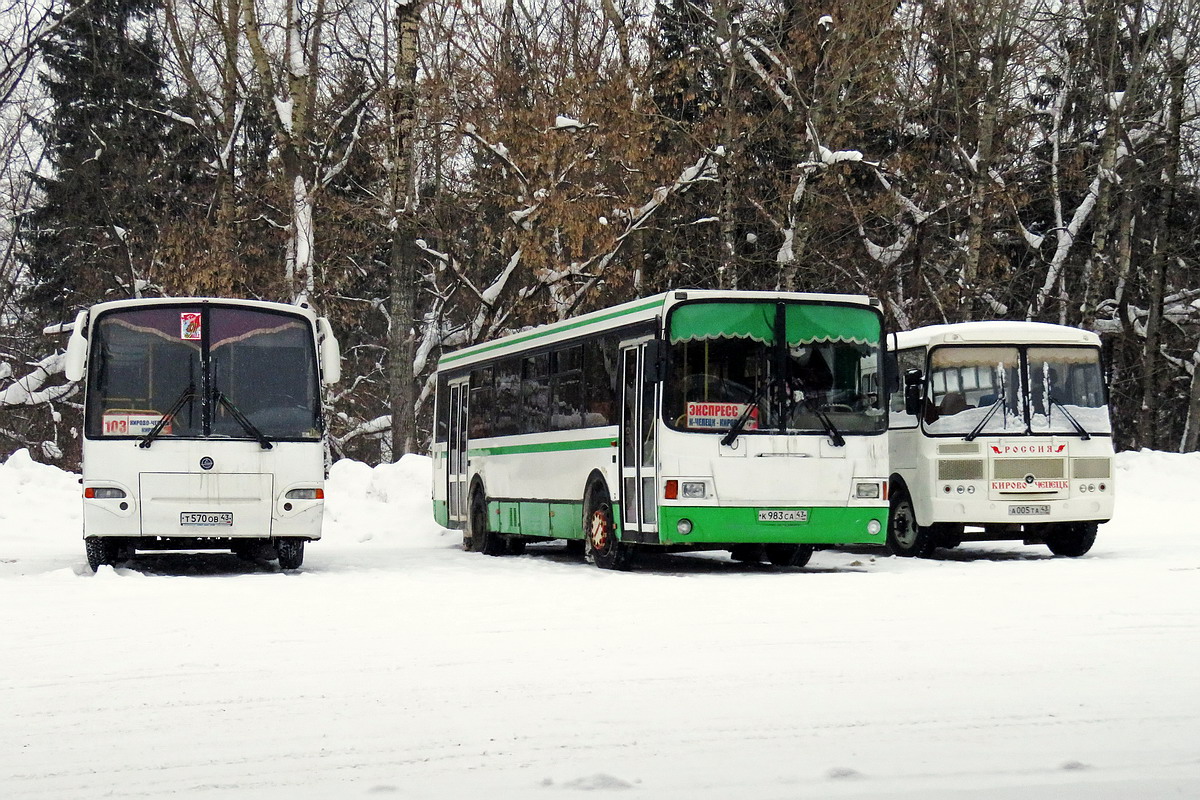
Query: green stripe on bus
{"x": 538, "y": 334}
{"x": 544, "y": 447}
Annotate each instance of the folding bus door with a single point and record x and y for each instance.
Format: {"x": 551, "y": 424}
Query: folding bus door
{"x": 639, "y": 447}
{"x": 456, "y": 490}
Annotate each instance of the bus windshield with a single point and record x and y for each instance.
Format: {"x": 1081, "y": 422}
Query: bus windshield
{"x": 1006, "y": 390}
{"x": 786, "y": 367}
{"x": 202, "y": 371}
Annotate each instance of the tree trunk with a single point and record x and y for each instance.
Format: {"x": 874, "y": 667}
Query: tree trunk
{"x": 402, "y": 263}
{"x": 1159, "y": 260}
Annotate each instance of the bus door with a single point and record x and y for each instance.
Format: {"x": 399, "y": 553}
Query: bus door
{"x": 639, "y": 446}
{"x": 456, "y": 490}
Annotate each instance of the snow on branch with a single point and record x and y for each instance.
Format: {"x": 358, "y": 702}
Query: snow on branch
{"x": 32, "y": 390}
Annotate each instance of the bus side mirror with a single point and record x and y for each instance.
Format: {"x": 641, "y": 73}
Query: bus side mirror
{"x": 913, "y": 383}
{"x": 331, "y": 353}
{"x": 75, "y": 361}
{"x": 656, "y": 360}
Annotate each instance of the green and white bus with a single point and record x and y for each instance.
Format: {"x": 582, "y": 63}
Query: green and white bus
{"x": 1001, "y": 431}
{"x": 747, "y": 421}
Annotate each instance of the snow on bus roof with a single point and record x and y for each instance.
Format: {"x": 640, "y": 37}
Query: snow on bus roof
{"x": 109, "y": 305}
{"x": 993, "y": 332}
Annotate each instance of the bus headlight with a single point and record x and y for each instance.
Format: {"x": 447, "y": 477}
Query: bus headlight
{"x": 873, "y": 527}
{"x": 866, "y": 491}
{"x": 305, "y": 494}
{"x": 694, "y": 490}
{"x": 684, "y": 526}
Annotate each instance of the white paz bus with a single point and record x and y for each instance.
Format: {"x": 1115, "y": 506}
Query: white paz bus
{"x": 1000, "y": 430}
{"x": 202, "y": 426}
{"x": 747, "y": 421}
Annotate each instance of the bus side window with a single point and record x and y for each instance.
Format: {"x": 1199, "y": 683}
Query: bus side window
{"x": 600, "y": 382}
{"x": 535, "y": 393}
{"x": 442, "y": 424}
{"x": 481, "y": 407}
{"x": 566, "y": 388}
{"x": 507, "y": 394}
{"x": 905, "y": 360}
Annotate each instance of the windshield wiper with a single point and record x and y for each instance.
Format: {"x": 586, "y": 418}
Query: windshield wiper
{"x": 970, "y": 437}
{"x": 1082, "y": 431}
{"x": 159, "y": 426}
{"x": 246, "y": 424}
{"x": 834, "y": 434}
{"x": 738, "y": 424}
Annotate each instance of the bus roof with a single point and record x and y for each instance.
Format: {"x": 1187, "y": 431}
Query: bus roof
{"x": 994, "y": 332}
{"x": 643, "y": 309}
{"x": 110, "y": 305}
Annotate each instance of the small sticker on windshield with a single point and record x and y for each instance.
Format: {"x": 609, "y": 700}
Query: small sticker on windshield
{"x": 189, "y": 325}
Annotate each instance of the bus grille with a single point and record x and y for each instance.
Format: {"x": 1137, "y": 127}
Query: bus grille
{"x": 958, "y": 449}
{"x": 1011, "y": 469}
{"x": 1091, "y": 468}
{"x": 960, "y": 470}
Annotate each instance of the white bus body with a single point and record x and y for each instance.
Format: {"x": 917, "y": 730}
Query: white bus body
{"x": 999, "y": 430}
{"x": 612, "y": 430}
{"x": 203, "y": 426}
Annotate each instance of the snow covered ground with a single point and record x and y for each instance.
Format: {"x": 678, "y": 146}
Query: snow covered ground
{"x": 395, "y": 664}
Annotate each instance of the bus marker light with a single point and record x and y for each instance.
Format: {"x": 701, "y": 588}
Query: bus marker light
{"x": 684, "y": 526}
{"x": 305, "y": 494}
{"x": 671, "y": 490}
{"x": 103, "y": 493}
{"x": 873, "y": 527}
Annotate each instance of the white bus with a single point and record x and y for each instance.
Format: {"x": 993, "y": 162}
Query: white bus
{"x": 747, "y": 421}
{"x": 202, "y": 426}
{"x": 1001, "y": 428}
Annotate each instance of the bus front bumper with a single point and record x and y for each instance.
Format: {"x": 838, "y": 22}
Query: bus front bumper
{"x": 742, "y": 525}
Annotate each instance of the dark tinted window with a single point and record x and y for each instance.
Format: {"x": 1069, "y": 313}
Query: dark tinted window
{"x": 506, "y": 420}
{"x": 566, "y": 388}
{"x": 535, "y": 393}
{"x": 482, "y": 393}
{"x": 141, "y": 366}
{"x": 600, "y": 382}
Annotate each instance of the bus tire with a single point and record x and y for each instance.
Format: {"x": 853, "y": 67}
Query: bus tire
{"x": 1071, "y": 539}
{"x": 100, "y": 551}
{"x": 789, "y": 555}
{"x": 600, "y": 543}
{"x": 905, "y": 537}
{"x": 290, "y": 550}
{"x": 484, "y": 540}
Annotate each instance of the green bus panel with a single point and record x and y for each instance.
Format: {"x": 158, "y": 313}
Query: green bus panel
{"x": 505, "y": 516}
{"x": 713, "y": 525}
{"x": 566, "y": 520}
{"x": 441, "y": 513}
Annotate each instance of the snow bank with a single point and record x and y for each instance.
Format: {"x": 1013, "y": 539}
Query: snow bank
{"x": 387, "y": 504}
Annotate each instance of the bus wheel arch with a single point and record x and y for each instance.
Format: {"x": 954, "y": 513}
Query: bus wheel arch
{"x": 482, "y": 538}
{"x": 601, "y": 544}
{"x": 906, "y": 537}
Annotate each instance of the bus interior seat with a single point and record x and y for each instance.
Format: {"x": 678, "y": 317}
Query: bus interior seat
{"x": 953, "y": 403}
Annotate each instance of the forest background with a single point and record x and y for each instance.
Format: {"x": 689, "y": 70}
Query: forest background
{"x": 434, "y": 173}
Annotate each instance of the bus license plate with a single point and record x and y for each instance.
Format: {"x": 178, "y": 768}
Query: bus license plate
{"x": 206, "y": 518}
{"x": 783, "y": 515}
{"x": 1029, "y": 510}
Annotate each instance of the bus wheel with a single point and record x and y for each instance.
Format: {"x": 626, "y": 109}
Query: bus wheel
{"x": 600, "y": 544}
{"x": 100, "y": 551}
{"x": 905, "y": 537}
{"x": 789, "y": 555}
{"x": 483, "y": 540}
{"x": 1071, "y": 538}
{"x": 290, "y": 550}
